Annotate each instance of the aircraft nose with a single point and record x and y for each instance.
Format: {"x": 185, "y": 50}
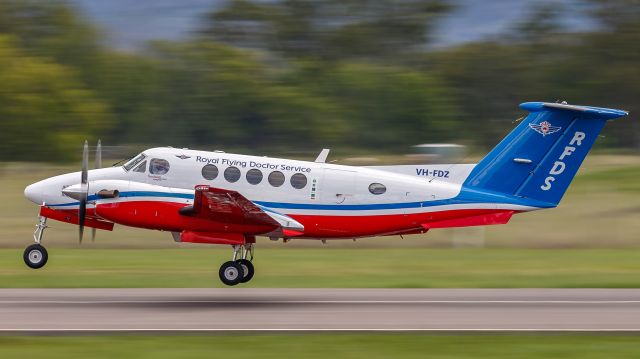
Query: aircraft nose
{"x": 34, "y": 192}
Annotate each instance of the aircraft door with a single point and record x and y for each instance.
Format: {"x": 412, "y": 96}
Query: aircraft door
{"x": 338, "y": 186}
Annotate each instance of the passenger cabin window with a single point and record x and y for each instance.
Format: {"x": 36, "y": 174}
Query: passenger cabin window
{"x": 210, "y": 172}
{"x": 254, "y": 176}
{"x": 298, "y": 181}
{"x": 377, "y": 188}
{"x": 276, "y": 178}
{"x": 132, "y": 163}
{"x": 232, "y": 174}
{"x": 158, "y": 166}
{"x": 141, "y": 167}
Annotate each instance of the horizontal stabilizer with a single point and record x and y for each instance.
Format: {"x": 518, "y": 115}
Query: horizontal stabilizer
{"x": 582, "y": 111}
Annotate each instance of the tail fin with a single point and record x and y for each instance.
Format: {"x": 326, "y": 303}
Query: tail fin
{"x": 540, "y": 157}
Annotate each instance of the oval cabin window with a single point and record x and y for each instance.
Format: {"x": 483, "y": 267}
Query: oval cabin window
{"x": 232, "y": 174}
{"x": 298, "y": 181}
{"x": 377, "y": 188}
{"x": 210, "y": 172}
{"x": 276, "y": 178}
{"x": 254, "y": 176}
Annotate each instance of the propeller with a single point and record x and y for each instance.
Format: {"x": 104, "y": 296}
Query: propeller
{"x": 98, "y": 165}
{"x": 84, "y": 185}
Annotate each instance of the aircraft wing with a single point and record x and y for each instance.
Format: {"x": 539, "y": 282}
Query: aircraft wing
{"x": 224, "y": 205}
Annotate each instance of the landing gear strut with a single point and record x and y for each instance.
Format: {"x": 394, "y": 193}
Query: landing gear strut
{"x": 247, "y": 266}
{"x": 35, "y": 256}
{"x": 236, "y": 270}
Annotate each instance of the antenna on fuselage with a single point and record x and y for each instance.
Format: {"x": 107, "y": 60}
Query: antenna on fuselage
{"x": 322, "y": 156}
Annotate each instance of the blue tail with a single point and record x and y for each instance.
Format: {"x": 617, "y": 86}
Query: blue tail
{"x": 540, "y": 157}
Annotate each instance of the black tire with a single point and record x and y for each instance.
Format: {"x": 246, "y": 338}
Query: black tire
{"x": 35, "y": 256}
{"x": 247, "y": 269}
{"x": 230, "y": 273}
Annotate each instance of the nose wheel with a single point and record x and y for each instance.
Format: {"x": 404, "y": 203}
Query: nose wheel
{"x": 238, "y": 271}
{"x": 35, "y": 256}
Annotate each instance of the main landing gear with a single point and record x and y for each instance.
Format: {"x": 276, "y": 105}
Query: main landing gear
{"x": 236, "y": 270}
{"x": 35, "y": 256}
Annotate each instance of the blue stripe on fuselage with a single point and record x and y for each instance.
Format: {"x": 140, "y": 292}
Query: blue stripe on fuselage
{"x": 465, "y": 197}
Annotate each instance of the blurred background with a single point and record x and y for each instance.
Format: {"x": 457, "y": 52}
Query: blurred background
{"x": 377, "y": 81}
{"x": 291, "y": 77}
{"x": 369, "y": 79}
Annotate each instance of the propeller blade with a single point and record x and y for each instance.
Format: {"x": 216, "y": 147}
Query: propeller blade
{"x": 85, "y": 163}
{"x": 82, "y": 210}
{"x": 99, "y": 154}
{"x": 98, "y": 165}
{"x": 81, "y": 213}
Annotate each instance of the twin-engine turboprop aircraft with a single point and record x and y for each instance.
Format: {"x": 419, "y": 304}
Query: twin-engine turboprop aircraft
{"x": 222, "y": 198}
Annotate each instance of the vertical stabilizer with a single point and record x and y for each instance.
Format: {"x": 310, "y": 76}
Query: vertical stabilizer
{"x": 540, "y": 157}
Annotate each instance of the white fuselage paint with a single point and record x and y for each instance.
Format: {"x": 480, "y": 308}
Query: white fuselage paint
{"x": 336, "y": 186}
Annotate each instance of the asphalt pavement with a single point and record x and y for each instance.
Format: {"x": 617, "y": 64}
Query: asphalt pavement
{"x": 277, "y": 309}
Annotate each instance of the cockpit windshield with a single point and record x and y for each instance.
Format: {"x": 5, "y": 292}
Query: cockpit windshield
{"x": 129, "y": 165}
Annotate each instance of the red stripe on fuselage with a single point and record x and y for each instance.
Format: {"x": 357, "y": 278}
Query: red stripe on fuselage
{"x": 164, "y": 216}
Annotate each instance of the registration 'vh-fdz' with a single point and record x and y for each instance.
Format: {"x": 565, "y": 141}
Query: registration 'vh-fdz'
{"x": 223, "y": 198}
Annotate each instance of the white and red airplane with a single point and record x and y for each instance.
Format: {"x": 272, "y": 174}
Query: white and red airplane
{"x": 223, "y": 198}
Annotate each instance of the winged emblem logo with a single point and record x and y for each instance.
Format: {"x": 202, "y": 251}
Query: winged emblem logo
{"x": 545, "y": 128}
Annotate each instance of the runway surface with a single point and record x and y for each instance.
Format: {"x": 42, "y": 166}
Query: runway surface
{"x": 51, "y": 310}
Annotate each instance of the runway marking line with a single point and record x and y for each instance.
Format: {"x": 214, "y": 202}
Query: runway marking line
{"x": 320, "y": 301}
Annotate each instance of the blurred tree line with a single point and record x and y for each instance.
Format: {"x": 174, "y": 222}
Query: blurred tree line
{"x": 300, "y": 74}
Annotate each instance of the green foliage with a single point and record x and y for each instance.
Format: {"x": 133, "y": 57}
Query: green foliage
{"x": 282, "y": 75}
{"x": 217, "y": 94}
{"x": 327, "y": 29}
{"x": 46, "y": 111}
{"x": 385, "y": 105}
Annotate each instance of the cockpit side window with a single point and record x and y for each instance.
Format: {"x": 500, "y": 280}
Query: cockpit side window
{"x": 141, "y": 167}
{"x": 158, "y": 166}
{"x": 132, "y": 163}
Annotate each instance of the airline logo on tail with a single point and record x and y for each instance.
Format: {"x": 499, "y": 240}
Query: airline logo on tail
{"x": 545, "y": 128}
{"x": 559, "y": 165}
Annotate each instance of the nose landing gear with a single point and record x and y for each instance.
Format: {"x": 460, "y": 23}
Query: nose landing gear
{"x": 35, "y": 256}
{"x": 236, "y": 270}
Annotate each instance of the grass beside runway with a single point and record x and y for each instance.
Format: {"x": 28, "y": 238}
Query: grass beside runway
{"x": 330, "y": 267}
{"x": 336, "y": 345}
